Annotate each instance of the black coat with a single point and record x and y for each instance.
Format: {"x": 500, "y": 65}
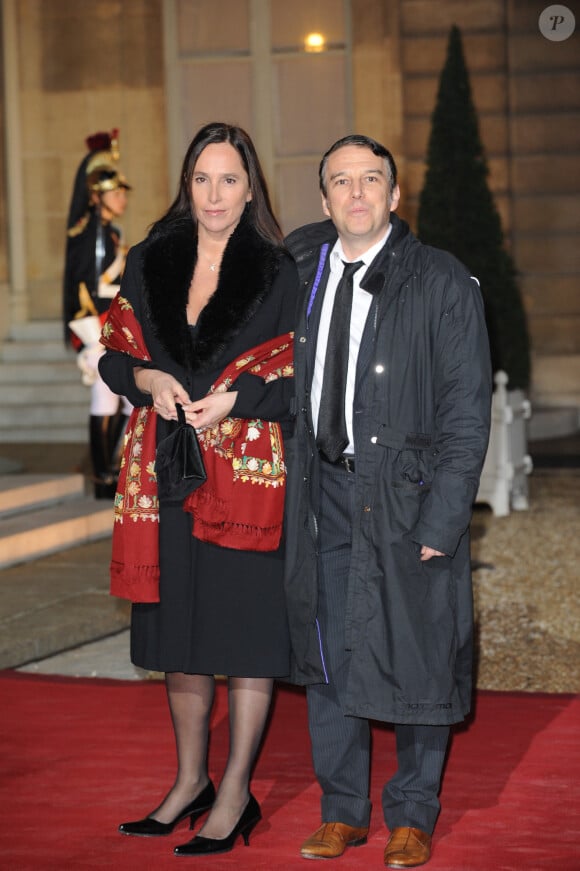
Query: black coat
{"x": 254, "y": 301}
{"x": 421, "y": 426}
{"x": 81, "y": 264}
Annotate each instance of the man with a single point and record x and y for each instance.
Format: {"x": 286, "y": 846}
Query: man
{"x": 392, "y": 427}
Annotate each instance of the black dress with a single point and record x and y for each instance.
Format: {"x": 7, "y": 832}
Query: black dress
{"x": 221, "y": 611}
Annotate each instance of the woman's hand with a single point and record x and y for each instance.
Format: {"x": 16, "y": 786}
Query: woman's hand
{"x": 165, "y": 390}
{"x": 207, "y": 412}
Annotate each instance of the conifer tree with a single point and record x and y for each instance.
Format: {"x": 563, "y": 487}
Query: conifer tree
{"x": 457, "y": 213}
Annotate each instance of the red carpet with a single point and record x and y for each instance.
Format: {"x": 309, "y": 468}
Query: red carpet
{"x": 81, "y": 755}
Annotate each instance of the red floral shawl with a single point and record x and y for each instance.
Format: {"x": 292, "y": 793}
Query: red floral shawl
{"x": 240, "y": 505}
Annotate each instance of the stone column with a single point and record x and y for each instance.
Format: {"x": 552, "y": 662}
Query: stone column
{"x": 377, "y": 74}
{"x": 18, "y": 301}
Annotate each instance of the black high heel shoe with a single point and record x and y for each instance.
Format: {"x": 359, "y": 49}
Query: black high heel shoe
{"x": 201, "y": 846}
{"x": 151, "y": 828}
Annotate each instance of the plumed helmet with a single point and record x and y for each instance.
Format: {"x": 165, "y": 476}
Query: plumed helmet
{"x": 98, "y": 172}
{"x": 102, "y": 168}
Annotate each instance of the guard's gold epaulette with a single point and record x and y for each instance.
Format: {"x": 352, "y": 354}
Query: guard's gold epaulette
{"x": 79, "y": 227}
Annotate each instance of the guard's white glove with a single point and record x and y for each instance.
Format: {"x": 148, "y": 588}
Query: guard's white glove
{"x": 88, "y": 362}
{"x": 107, "y": 290}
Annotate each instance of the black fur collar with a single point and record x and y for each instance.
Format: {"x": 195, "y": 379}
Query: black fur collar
{"x": 248, "y": 269}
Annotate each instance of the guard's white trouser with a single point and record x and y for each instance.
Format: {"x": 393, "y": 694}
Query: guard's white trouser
{"x": 106, "y": 403}
{"x": 103, "y": 401}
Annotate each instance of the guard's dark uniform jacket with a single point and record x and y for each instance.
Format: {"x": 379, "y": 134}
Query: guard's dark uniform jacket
{"x": 421, "y": 426}
{"x": 81, "y": 266}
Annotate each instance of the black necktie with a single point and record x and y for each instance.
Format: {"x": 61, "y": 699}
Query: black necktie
{"x": 332, "y": 437}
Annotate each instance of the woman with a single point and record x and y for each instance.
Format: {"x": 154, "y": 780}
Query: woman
{"x": 210, "y": 281}
{"x": 95, "y": 259}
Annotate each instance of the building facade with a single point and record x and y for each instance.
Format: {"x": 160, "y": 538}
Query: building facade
{"x": 297, "y": 76}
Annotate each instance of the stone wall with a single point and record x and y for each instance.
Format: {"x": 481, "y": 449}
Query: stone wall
{"x": 526, "y": 91}
{"x": 4, "y": 309}
{"x": 86, "y": 66}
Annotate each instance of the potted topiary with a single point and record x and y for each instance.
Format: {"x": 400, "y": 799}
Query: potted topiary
{"x": 457, "y": 212}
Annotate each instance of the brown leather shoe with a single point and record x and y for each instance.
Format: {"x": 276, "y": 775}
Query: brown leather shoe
{"x": 407, "y": 848}
{"x": 332, "y": 839}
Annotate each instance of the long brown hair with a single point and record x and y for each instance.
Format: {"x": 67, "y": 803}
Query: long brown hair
{"x": 258, "y": 210}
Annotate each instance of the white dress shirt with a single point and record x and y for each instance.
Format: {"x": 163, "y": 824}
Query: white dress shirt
{"x": 361, "y": 303}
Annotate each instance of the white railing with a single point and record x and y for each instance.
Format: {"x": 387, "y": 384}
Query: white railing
{"x": 504, "y": 479}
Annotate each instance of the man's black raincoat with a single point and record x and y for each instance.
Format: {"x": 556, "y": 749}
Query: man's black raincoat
{"x": 421, "y": 427}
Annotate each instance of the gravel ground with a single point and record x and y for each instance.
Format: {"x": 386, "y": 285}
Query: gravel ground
{"x": 527, "y": 603}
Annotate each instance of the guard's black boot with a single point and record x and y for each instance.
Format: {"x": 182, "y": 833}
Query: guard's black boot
{"x": 117, "y": 427}
{"x": 104, "y": 481}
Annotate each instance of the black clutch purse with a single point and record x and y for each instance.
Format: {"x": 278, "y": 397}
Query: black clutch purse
{"x": 179, "y": 463}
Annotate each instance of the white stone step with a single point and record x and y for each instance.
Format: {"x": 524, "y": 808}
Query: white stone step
{"x": 37, "y": 330}
{"x": 553, "y": 422}
{"x": 42, "y": 349}
{"x": 22, "y": 492}
{"x": 54, "y": 372}
{"x": 25, "y": 416}
{"x": 42, "y": 398}
{"x": 68, "y": 434}
{"x": 555, "y": 396}
{"x": 37, "y": 340}
{"x": 62, "y": 393}
{"x": 28, "y": 536}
